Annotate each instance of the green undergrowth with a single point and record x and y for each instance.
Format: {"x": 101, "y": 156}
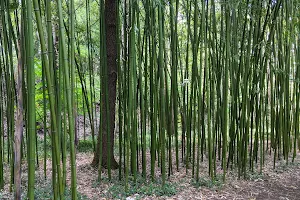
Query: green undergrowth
{"x": 283, "y": 166}
{"x": 140, "y": 189}
{"x": 85, "y": 146}
{"x": 45, "y": 191}
{"x": 252, "y": 176}
{"x": 217, "y": 182}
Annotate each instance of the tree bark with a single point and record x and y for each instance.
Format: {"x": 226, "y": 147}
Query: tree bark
{"x": 111, "y": 47}
{"x": 19, "y": 128}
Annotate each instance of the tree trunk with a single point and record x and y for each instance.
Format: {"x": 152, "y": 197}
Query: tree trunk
{"x": 19, "y": 128}
{"x": 111, "y": 47}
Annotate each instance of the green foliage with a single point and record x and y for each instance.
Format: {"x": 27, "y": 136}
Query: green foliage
{"x": 39, "y": 98}
{"x": 283, "y": 166}
{"x": 142, "y": 188}
{"x": 14, "y": 5}
{"x": 208, "y": 182}
{"x": 45, "y": 192}
{"x": 39, "y": 90}
{"x": 40, "y": 147}
{"x": 85, "y": 146}
{"x": 254, "y": 176}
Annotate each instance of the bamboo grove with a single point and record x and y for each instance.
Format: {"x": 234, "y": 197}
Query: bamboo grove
{"x": 214, "y": 82}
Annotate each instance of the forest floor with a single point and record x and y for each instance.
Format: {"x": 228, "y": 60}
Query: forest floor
{"x": 281, "y": 183}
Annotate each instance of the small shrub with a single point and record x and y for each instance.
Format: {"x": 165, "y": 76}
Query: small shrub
{"x": 85, "y": 146}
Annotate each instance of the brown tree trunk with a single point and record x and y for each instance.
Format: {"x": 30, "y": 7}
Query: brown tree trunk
{"x": 111, "y": 47}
